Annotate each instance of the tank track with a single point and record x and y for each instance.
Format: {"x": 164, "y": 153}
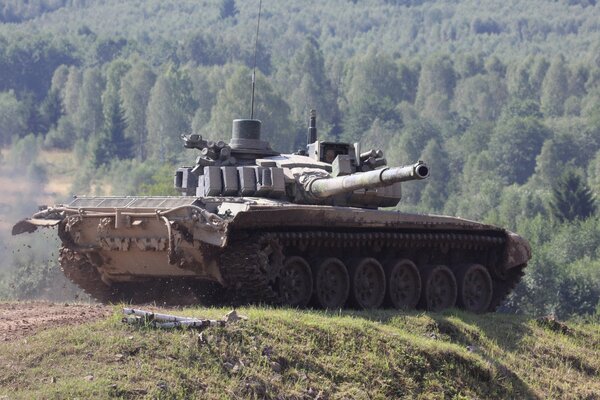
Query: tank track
{"x": 387, "y": 239}
{"x": 250, "y": 264}
{"x": 503, "y": 288}
{"x": 245, "y": 266}
{"x": 81, "y": 272}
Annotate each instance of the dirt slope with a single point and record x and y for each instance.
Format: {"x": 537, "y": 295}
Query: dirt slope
{"x": 20, "y": 319}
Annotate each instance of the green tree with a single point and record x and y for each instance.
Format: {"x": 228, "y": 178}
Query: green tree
{"x": 170, "y": 110}
{"x": 408, "y": 76}
{"x": 495, "y": 67}
{"x": 161, "y": 183}
{"x": 107, "y": 49}
{"x": 549, "y": 163}
{"x": 473, "y": 140}
{"x": 517, "y": 80}
{"x": 521, "y": 108}
{"x": 517, "y": 203}
{"x": 480, "y": 97}
{"x": 50, "y": 110}
{"x": 13, "y": 117}
{"x": 72, "y": 89}
{"x": 113, "y": 132}
{"x": 89, "y": 118}
{"x": 437, "y": 81}
{"x": 201, "y": 48}
{"x": 477, "y": 189}
{"x": 308, "y": 87}
{"x": 416, "y": 133}
{"x": 571, "y": 198}
{"x": 514, "y": 146}
{"x": 111, "y": 143}
{"x": 578, "y": 77}
{"x": 371, "y": 90}
{"x": 30, "y": 61}
{"x": 114, "y": 75}
{"x": 593, "y": 173}
{"x": 135, "y": 94}
{"x": 555, "y": 89}
{"x": 227, "y": 9}
{"x": 538, "y": 72}
{"x": 579, "y": 291}
{"x": 59, "y": 80}
{"x": 270, "y": 108}
{"x": 469, "y": 65}
{"x": 63, "y": 136}
{"x": 205, "y": 97}
{"x": 435, "y": 190}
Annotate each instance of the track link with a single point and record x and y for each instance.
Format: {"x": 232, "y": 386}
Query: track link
{"x": 80, "y": 271}
{"x": 249, "y": 265}
{"x": 502, "y": 288}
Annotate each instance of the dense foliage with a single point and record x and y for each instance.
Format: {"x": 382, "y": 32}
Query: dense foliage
{"x": 502, "y": 98}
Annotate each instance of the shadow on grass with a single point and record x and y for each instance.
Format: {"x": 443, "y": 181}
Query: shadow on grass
{"x": 470, "y": 331}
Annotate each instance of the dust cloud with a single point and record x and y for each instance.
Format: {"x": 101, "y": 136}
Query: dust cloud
{"x": 28, "y": 262}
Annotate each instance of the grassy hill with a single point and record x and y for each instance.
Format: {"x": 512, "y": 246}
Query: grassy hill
{"x": 309, "y": 355}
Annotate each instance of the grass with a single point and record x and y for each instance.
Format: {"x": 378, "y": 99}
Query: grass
{"x": 310, "y": 354}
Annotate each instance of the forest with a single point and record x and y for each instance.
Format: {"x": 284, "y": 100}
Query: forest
{"x": 501, "y": 98}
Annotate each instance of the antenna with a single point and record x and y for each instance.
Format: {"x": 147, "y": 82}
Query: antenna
{"x": 254, "y": 68}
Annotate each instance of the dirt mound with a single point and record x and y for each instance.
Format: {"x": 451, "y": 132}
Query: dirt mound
{"x": 20, "y": 319}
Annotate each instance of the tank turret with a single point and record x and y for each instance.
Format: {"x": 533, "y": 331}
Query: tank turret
{"x": 325, "y": 173}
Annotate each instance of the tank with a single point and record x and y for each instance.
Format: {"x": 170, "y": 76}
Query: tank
{"x": 316, "y": 228}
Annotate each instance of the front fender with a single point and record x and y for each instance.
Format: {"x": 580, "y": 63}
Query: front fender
{"x": 518, "y": 251}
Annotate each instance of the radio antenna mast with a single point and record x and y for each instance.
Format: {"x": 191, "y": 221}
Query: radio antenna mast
{"x": 254, "y": 68}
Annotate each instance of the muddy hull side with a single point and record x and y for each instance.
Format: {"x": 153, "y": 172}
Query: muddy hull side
{"x": 138, "y": 239}
{"x": 439, "y": 229}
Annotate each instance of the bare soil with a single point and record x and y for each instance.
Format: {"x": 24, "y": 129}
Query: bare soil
{"x": 21, "y": 319}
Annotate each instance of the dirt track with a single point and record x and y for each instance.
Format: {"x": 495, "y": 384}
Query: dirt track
{"x": 20, "y": 319}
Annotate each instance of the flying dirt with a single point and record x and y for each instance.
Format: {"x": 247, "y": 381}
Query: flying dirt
{"x": 299, "y": 230}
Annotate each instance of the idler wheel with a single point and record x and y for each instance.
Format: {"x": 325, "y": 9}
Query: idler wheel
{"x": 439, "y": 288}
{"x": 295, "y": 282}
{"x": 367, "y": 283}
{"x": 475, "y": 288}
{"x": 332, "y": 284}
{"x": 403, "y": 284}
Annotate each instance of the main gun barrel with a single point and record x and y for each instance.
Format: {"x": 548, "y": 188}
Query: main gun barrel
{"x": 327, "y": 187}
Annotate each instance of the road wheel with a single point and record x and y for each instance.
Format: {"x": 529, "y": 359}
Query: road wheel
{"x": 367, "y": 283}
{"x": 439, "y": 288}
{"x": 403, "y": 284}
{"x": 475, "y": 288}
{"x": 332, "y": 284}
{"x": 295, "y": 282}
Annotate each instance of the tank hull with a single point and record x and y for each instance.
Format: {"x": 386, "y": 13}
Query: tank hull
{"x": 279, "y": 252}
